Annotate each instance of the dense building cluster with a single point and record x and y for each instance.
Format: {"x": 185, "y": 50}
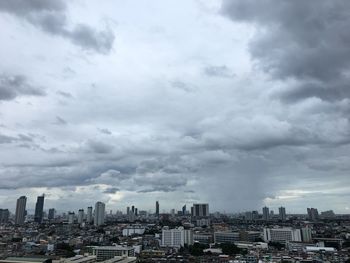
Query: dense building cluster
{"x": 93, "y": 235}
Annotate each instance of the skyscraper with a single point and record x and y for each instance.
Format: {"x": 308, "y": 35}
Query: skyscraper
{"x": 80, "y": 216}
{"x": 282, "y": 213}
{"x": 39, "y": 209}
{"x": 52, "y": 213}
{"x": 20, "y": 210}
{"x": 157, "y": 208}
{"x": 89, "y": 215}
{"x": 99, "y": 214}
{"x": 312, "y": 214}
{"x": 4, "y": 215}
{"x": 200, "y": 210}
{"x": 266, "y": 213}
{"x": 184, "y": 210}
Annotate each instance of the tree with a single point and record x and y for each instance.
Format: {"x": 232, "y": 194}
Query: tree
{"x": 229, "y": 249}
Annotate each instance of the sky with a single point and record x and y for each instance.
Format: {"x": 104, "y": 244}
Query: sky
{"x": 235, "y": 103}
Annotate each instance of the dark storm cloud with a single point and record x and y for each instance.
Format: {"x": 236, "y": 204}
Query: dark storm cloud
{"x": 307, "y": 41}
{"x": 50, "y": 16}
{"x": 160, "y": 182}
{"x": 13, "y": 86}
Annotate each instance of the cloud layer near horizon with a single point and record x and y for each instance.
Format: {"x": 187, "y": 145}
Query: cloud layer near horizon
{"x": 238, "y": 103}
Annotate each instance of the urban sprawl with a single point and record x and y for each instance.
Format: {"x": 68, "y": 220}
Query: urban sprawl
{"x": 189, "y": 234}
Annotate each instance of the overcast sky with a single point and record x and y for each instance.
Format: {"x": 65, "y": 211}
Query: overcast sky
{"x": 238, "y": 103}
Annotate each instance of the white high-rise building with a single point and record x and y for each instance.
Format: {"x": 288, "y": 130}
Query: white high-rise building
{"x": 89, "y": 215}
{"x": 282, "y": 234}
{"x": 20, "y": 210}
{"x": 177, "y": 237}
{"x": 99, "y": 214}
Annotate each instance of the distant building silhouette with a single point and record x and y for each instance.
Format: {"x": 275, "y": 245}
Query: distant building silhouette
{"x": 20, "y": 210}
{"x": 89, "y": 215}
{"x": 39, "y": 209}
{"x": 282, "y": 213}
{"x": 157, "y": 208}
{"x": 266, "y": 213}
{"x": 312, "y": 214}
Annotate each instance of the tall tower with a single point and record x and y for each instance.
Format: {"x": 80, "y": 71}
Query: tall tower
{"x": 266, "y": 213}
{"x": 282, "y": 213}
{"x": 20, "y": 210}
{"x": 80, "y": 216}
{"x": 99, "y": 214}
{"x": 39, "y": 209}
{"x": 89, "y": 215}
{"x": 157, "y": 208}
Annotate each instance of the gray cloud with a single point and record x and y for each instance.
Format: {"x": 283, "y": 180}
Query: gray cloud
{"x": 111, "y": 190}
{"x": 64, "y": 94}
{"x": 13, "y": 86}
{"x": 99, "y": 147}
{"x": 60, "y": 121}
{"x": 105, "y": 131}
{"x": 218, "y": 71}
{"x": 312, "y": 50}
{"x": 51, "y": 17}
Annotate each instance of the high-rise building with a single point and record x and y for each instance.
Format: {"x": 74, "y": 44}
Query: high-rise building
{"x": 52, "y": 213}
{"x": 157, "y": 208}
{"x": 89, "y": 215}
{"x": 4, "y": 215}
{"x": 306, "y": 234}
{"x": 99, "y": 214}
{"x": 200, "y": 210}
{"x": 312, "y": 214}
{"x": 39, "y": 209}
{"x": 136, "y": 212}
{"x": 282, "y": 213}
{"x": 266, "y": 213}
{"x": 133, "y": 209}
{"x": 20, "y": 210}
{"x": 177, "y": 237}
{"x": 71, "y": 216}
{"x": 80, "y": 216}
{"x": 184, "y": 210}
{"x": 128, "y": 210}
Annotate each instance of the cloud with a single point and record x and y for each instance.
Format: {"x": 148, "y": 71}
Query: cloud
{"x": 218, "y": 71}
{"x": 105, "y": 131}
{"x": 111, "y": 190}
{"x": 64, "y": 94}
{"x": 13, "y": 86}
{"x": 51, "y": 17}
{"x": 60, "y": 121}
{"x": 160, "y": 182}
{"x": 110, "y": 177}
{"x": 99, "y": 147}
{"x": 313, "y": 50}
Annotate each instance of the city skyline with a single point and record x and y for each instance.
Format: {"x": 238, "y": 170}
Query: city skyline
{"x": 239, "y": 104}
